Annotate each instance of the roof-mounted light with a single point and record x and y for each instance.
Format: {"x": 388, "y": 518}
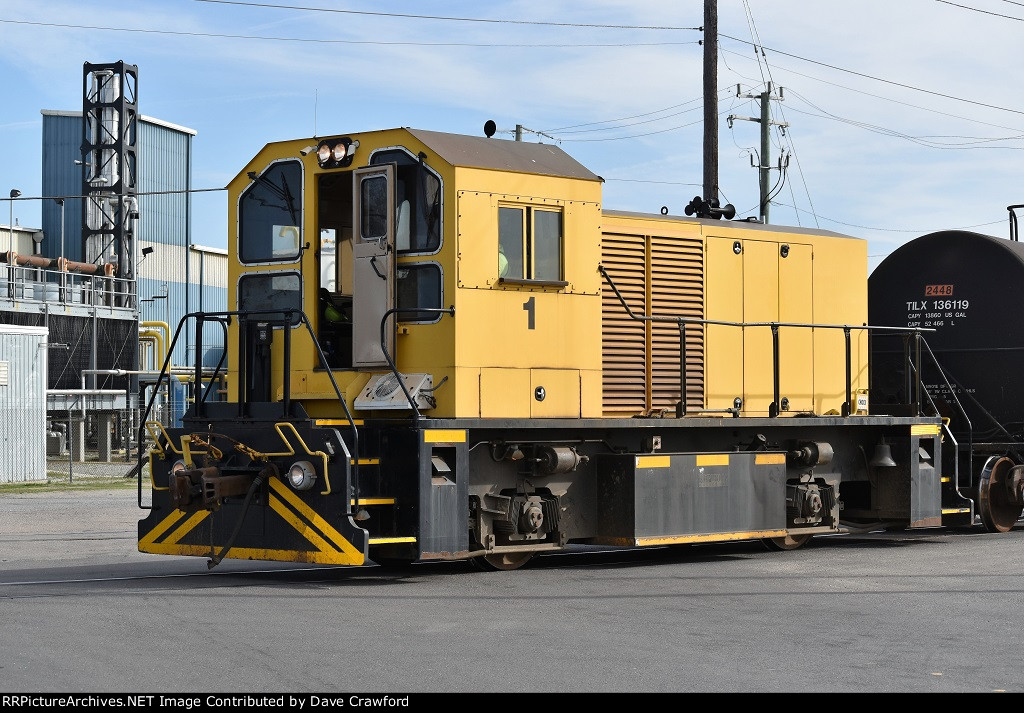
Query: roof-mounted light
{"x": 336, "y": 153}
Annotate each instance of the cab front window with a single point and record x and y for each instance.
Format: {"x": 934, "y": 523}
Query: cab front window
{"x": 270, "y": 215}
{"x": 263, "y": 292}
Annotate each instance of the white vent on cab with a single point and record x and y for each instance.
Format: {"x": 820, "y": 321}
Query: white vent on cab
{"x": 384, "y": 391}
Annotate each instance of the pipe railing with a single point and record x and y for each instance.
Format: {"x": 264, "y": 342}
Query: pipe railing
{"x": 775, "y": 407}
{"x": 1013, "y": 221}
{"x": 945, "y": 426}
{"x": 29, "y": 279}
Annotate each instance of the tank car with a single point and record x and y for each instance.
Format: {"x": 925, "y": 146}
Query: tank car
{"x": 963, "y": 286}
{"x": 445, "y": 347}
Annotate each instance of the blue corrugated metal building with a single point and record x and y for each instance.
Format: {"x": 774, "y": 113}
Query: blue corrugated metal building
{"x": 177, "y": 276}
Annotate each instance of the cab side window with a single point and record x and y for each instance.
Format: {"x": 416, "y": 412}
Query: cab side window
{"x": 530, "y": 244}
{"x": 419, "y": 285}
{"x": 418, "y": 213}
{"x": 417, "y": 202}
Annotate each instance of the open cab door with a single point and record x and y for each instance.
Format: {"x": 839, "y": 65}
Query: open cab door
{"x": 373, "y": 252}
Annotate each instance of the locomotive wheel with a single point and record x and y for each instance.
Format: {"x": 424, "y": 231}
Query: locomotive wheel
{"x": 505, "y": 561}
{"x": 997, "y": 505}
{"x": 789, "y": 542}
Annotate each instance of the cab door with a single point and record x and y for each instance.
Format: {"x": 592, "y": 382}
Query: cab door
{"x": 373, "y": 265}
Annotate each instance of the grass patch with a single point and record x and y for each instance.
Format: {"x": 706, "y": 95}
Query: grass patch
{"x": 60, "y": 482}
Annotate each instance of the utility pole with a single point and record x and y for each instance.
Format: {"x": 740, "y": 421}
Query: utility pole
{"x": 764, "y": 165}
{"x": 710, "y": 100}
{"x": 766, "y": 145}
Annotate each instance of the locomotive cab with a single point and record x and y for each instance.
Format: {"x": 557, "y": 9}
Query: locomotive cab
{"x": 373, "y": 236}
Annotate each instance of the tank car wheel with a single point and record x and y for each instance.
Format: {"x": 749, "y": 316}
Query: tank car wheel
{"x": 789, "y": 542}
{"x": 998, "y": 505}
{"x": 502, "y": 562}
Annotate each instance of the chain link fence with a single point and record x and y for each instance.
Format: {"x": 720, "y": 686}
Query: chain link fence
{"x": 77, "y": 447}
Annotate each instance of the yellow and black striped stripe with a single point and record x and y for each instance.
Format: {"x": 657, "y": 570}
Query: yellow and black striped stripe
{"x": 328, "y": 545}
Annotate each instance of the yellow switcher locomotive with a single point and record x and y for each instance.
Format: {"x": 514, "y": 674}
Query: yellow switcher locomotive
{"x": 444, "y": 347}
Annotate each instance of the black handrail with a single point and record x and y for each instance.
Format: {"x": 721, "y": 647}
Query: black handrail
{"x": 199, "y": 366}
{"x": 1013, "y": 220}
{"x": 970, "y": 432}
{"x": 773, "y": 409}
{"x": 149, "y": 407}
{"x": 387, "y": 355}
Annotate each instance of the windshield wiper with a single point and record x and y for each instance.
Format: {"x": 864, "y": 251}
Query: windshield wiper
{"x": 280, "y": 192}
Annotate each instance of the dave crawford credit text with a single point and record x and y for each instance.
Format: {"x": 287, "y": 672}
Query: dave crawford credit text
{"x": 295, "y": 702}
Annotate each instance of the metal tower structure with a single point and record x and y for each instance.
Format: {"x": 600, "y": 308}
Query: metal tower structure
{"x": 110, "y": 171}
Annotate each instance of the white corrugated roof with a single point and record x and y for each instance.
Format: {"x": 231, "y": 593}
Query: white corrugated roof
{"x": 142, "y": 117}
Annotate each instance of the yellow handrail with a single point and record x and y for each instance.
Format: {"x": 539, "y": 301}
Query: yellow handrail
{"x": 291, "y": 451}
{"x": 254, "y": 454}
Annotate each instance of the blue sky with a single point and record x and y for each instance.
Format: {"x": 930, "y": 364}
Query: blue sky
{"x": 903, "y": 117}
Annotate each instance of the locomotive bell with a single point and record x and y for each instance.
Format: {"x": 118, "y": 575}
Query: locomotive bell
{"x": 882, "y": 457}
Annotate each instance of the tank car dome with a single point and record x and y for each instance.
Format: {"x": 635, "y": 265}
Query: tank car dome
{"x": 969, "y": 289}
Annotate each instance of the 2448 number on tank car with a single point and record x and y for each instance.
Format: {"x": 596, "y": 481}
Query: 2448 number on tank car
{"x": 443, "y": 347}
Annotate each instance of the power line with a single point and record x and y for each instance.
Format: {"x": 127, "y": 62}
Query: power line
{"x": 649, "y": 133}
{"x": 633, "y": 123}
{"x": 216, "y": 35}
{"x": 450, "y": 19}
{"x": 983, "y": 12}
{"x": 920, "y": 140}
{"x": 567, "y": 130}
{"x": 879, "y": 79}
{"x": 636, "y": 136}
{"x": 619, "y": 126}
{"x": 870, "y": 94}
{"x": 896, "y": 230}
{"x": 116, "y": 195}
{"x": 660, "y": 183}
{"x": 803, "y": 179}
{"x": 626, "y": 118}
{"x": 753, "y": 36}
{"x": 792, "y": 197}
{"x": 756, "y": 36}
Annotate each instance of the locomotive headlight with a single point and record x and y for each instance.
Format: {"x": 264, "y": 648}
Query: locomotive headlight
{"x": 302, "y": 475}
{"x": 336, "y": 153}
{"x": 323, "y": 153}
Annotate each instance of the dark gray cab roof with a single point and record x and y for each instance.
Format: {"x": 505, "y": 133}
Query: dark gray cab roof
{"x": 504, "y": 155}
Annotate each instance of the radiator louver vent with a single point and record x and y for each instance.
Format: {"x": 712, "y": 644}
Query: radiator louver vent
{"x": 640, "y": 360}
{"x": 623, "y": 340}
{"x": 677, "y": 289}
